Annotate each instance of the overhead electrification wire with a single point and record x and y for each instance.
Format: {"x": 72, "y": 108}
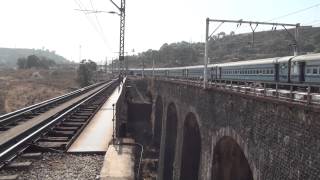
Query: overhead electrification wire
{"x": 99, "y": 25}
{"x": 295, "y": 12}
{"x": 94, "y": 25}
{"x": 82, "y": 8}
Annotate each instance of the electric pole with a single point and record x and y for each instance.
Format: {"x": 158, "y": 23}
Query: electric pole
{"x": 122, "y": 10}
{"x": 294, "y": 37}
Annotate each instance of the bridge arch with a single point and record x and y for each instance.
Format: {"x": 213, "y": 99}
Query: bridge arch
{"x": 158, "y": 121}
{"x": 230, "y": 158}
{"x": 170, "y": 141}
{"x": 191, "y": 149}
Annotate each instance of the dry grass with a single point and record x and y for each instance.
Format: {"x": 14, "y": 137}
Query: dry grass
{"x": 26, "y": 94}
{"x": 21, "y": 88}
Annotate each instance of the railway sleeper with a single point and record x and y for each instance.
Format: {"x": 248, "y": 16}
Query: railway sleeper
{"x": 9, "y": 177}
{"x": 80, "y": 116}
{"x": 76, "y": 120}
{"x": 63, "y": 128}
{"x": 51, "y": 146}
{"x": 82, "y": 113}
{"x": 54, "y": 139}
{"x": 31, "y": 155}
{"x": 72, "y": 124}
{"x": 87, "y": 110}
{"x": 18, "y": 165}
{"x": 61, "y": 133}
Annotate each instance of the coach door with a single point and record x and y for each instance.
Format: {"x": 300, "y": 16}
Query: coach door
{"x": 302, "y": 66}
{"x": 276, "y": 73}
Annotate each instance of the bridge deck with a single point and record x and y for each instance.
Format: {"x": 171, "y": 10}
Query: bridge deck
{"x": 98, "y": 133}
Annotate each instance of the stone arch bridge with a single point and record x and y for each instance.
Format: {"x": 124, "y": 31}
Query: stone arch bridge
{"x": 218, "y": 134}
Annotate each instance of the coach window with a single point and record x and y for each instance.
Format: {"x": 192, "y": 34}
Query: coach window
{"x": 308, "y": 71}
{"x": 315, "y": 71}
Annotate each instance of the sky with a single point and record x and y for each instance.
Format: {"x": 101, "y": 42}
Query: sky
{"x": 57, "y": 26}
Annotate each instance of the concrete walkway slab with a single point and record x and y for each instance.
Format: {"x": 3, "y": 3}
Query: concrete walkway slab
{"x": 98, "y": 133}
{"x": 118, "y": 163}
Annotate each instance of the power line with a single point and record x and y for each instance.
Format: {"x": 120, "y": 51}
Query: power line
{"x": 99, "y": 31}
{"x": 295, "y": 12}
{"x": 82, "y": 7}
{"x": 99, "y": 25}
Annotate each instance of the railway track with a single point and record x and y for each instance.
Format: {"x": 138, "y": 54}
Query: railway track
{"x": 12, "y": 119}
{"x": 53, "y": 125}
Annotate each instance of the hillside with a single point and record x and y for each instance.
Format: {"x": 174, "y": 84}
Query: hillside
{"x": 9, "y": 56}
{"x": 225, "y": 48}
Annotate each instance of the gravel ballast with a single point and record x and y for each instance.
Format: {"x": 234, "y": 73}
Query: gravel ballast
{"x": 54, "y": 166}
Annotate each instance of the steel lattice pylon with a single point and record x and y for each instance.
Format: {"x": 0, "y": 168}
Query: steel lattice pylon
{"x": 122, "y": 31}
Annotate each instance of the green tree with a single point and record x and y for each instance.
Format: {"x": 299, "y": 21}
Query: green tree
{"x": 33, "y": 61}
{"x": 85, "y": 72}
{"x": 22, "y": 63}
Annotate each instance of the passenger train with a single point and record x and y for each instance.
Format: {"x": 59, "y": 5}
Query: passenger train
{"x": 290, "y": 69}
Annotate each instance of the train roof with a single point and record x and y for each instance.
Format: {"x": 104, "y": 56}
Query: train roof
{"x": 250, "y": 62}
{"x": 307, "y": 57}
{"x": 284, "y": 59}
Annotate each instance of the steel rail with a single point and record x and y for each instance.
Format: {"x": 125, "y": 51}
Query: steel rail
{"x": 29, "y": 108}
{"x": 7, "y": 118}
{"x": 21, "y": 143}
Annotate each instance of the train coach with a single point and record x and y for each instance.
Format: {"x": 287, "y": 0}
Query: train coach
{"x": 289, "y": 69}
{"x": 305, "y": 69}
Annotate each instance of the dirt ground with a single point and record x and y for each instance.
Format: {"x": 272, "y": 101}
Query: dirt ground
{"x": 21, "y": 88}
